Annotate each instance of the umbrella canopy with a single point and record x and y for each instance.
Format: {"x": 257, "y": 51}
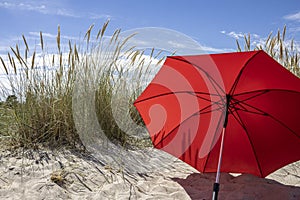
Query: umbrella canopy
{"x": 192, "y": 98}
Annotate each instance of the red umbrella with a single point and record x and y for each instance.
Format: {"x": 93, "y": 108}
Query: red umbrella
{"x": 192, "y": 99}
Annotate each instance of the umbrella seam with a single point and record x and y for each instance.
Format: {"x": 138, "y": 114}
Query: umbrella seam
{"x": 170, "y": 93}
{"x": 272, "y": 117}
{"x": 240, "y": 121}
{"x": 214, "y": 82}
{"x": 266, "y": 90}
{"x": 199, "y": 111}
{"x": 231, "y": 92}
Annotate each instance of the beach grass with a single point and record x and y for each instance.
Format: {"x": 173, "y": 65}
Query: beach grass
{"x": 38, "y": 109}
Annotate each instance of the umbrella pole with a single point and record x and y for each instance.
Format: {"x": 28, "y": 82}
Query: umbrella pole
{"x": 217, "y": 182}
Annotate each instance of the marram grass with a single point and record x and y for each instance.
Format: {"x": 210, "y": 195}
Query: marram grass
{"x": 42, "y": 113}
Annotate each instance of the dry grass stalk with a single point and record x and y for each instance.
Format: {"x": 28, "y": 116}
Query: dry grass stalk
{"x": 279, "y": 49}
{"x": 43, "y": 113}
{"x": 58, "y": 38}
{"x": 41, "y": 40}
{"x": 4, "y": 66}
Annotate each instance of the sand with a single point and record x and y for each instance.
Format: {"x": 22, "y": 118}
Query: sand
{"x": 152, "y": 174}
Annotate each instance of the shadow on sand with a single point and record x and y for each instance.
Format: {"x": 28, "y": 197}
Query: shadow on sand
{"x": 244, "y": 187}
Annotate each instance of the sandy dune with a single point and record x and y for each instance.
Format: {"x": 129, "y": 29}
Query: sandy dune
{"x": 64, "y": 174}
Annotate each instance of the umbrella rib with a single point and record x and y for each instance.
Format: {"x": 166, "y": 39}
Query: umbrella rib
{"x": 166, "y": 135}
{"x": 206, "y": 99}
{"x": 266, "y": 90}
{"x": 188, "y": 92}
{"x": 207, "y": 74}
{"x": 238, "y": 118}
{"x": 209, "y": 106}
{"x": 240, "y": 121}
{"x": 272, "y": 117}
{"x": 248, "y": 111}
{"x": 170, "y": 93}
{"x": 243, "y": 108}
{"x": 209, "y": 111}
{"x": 240, "y": 74}
{"x": 206, "y": 93}
{"x": 217, "y": 109}
{"x": 259, "y": 94}
{"x": 207, "y": 157}
{"x": 155, "y": 137}
{"x": 195, "y": 113}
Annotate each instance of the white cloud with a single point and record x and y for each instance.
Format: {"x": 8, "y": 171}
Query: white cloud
{"x": 293, "y": 25}
{"x": 3, "y": 49}
{"x": 258, "y": 40}
{"x": 99, "y": 16}
{"x": 50, "y": 8}
{"x": 39, "y": 7}
{"x": 240, "y": 35}
{"x": 294, "y": 29}
{"x": 255, "y": 39}
{"x": 255, "y": 36}
{"x": 33, "y": 41}
{"x": 215, "y": 50}
{"x": 168, "y": 40}
{"x": 52, "y": 36}
{"x": 236, "y": 35}
{"x": 65, "y": 13}
{"x": 23, "y": 6}
{"x": 200, "y": 48}
{"x": 37, "y": 34}
{"x": 233, "y": 34}
{"x": 293, "y": 17}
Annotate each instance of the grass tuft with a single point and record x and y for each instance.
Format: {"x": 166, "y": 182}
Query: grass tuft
{"x": 42, "y": 112}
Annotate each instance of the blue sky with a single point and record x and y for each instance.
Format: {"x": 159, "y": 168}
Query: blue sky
{"x": 213, "y": 24}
